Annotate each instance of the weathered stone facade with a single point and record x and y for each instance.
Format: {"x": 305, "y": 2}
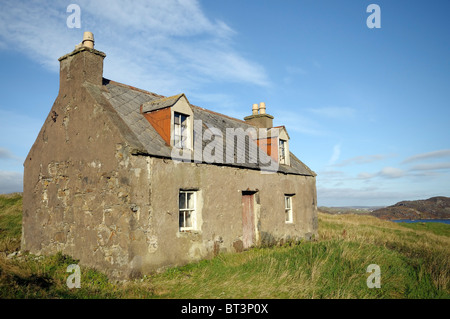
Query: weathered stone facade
{"x": 106, "y": 191}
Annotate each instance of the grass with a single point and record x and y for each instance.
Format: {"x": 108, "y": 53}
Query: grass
{"x": 436, "y": 228}
{"x": 413, "y": 258}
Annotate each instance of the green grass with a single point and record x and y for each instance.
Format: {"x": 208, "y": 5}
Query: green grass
{"x": 10, "y": 221}
{"x": 414, "y": 262}
{"x": 436, "y": 228}
{"x": 10, "y": 215}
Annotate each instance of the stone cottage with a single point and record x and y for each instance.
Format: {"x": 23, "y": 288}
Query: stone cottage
{"x": 129, "y": 181}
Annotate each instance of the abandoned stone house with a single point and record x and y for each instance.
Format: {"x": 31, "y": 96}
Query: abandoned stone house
{"x": 129, "y": 181}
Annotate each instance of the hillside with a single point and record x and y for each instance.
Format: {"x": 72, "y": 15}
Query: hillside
{"x": 432, "y": 208}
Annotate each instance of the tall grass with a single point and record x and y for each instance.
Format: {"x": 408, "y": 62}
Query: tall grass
{"x": 10, "y": 221}
{"x": 414, "y": 263}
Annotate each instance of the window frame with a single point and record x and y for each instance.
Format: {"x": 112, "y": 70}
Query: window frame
{"x": 282, "y": 150}
{"x": 288, "y": 210}
{"x": 193, "y": 211}
{"x": 181, "y": 139}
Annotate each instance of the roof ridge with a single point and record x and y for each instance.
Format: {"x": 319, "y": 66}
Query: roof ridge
{"x": 135, "y": 88}
{"x": 220, "y": 114}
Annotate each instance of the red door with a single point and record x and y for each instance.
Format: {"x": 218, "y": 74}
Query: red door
{"x": 248, "y": 220}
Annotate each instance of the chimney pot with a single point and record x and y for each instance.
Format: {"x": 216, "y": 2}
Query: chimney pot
{"x": 88, "y": 40}
{"x": 262, "y": 108}
{"x": 255, "y": 109}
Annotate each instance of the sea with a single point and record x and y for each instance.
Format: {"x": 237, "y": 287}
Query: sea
{"x": 445, "y": 221}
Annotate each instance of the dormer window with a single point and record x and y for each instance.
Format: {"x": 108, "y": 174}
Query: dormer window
{"x": 180, "y": 130}
{"x": 172, "y": 117}
{"x": 275, "y": 142}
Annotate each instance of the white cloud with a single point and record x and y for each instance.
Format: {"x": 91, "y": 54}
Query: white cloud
{"x": 391, "y": 172}
{"x": 367, "y": 196}
{"x": 364, "y": 159}
{"x": 163, "y": 46}
{"x": 430, "y": 167}
{"x": 365, "y": 175}
{"x": 336, "y": 154}
{"x": 429, "y": 155}
{"x": 6, "y": 154}
{"x": 169, "y": 18}
{"x": 329, "y": 173}
{"x": 386, "y": 172}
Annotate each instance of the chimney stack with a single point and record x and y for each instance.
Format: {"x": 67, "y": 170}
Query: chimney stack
{"x": 259, "y": 117}
{"x": 84, "y": 64}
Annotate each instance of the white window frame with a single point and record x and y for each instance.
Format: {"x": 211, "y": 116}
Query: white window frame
{"x": 288, "y": 213}
{"x": 181, "y": 131}
{"x": 182, "y": 211}
{"x": 282, "y": 150}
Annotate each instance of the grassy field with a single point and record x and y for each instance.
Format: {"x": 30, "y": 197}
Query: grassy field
{"x": 414, "y": 260}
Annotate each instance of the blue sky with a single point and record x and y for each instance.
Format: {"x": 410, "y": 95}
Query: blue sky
{"x": 367, "y": 109}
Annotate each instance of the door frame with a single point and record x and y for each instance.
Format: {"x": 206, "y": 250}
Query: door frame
{"x": 250, "y": 219}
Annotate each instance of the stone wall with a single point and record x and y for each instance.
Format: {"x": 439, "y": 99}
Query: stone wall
{"x": 219, "y": 189}
{"x": 82, "y": 193}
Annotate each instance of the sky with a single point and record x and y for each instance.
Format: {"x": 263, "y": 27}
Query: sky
{"x": 367, "y": 109}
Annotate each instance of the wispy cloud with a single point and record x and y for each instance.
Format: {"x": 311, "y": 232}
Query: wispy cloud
{"x": 164, "y": 46}
{"x": 427, "y": 156}
{"x": 335, "y": 155}
{"x": 391, "y": 172}
{"x": 386, "y": 172}
{"x": 421, "y": 170}
{"x": 346, "y": 196}
{"x": 6, "y": 154}
{"x": 364, "y": 159}
{"x": 10, "y": 182}
{"x": 366, "y": 175}
{"x": 430, "y": 167}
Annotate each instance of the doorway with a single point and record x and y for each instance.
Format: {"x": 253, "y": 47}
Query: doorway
{"x": 248, "y": 219}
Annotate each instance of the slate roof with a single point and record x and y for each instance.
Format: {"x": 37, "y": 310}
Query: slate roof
{"x": 127, "y": 102}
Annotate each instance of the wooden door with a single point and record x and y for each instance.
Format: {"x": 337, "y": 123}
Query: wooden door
{"x": 248, "y": 220}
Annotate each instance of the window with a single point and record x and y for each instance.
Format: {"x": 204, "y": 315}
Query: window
{"x": 288, "y": 208}
{"x": 180, "y": 126}
{"x": 282, "y": 151}
{"x": 187, "y": 206}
